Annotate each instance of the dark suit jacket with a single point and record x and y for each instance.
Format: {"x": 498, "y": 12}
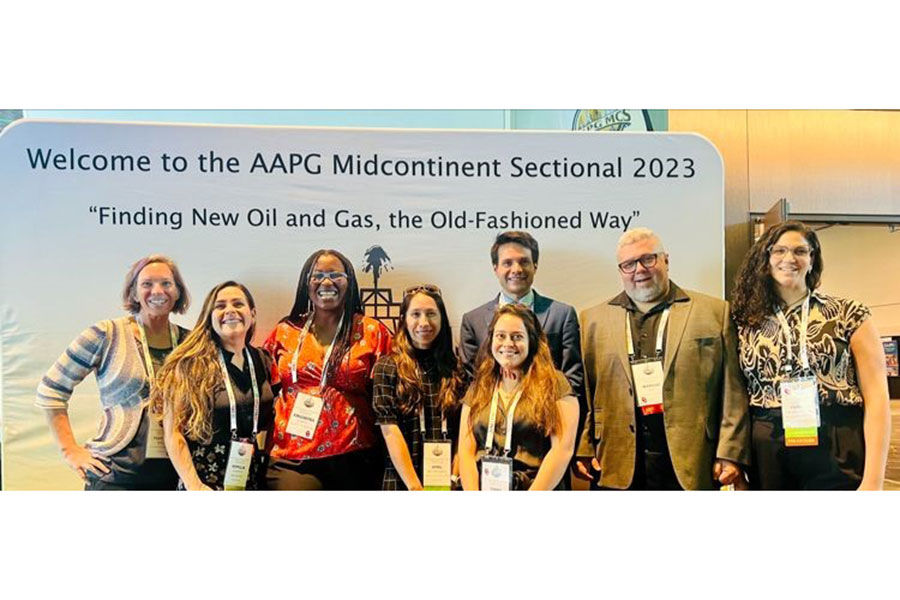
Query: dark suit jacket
{"x": 558, "y": 320}
{"x": 704, "y": 397}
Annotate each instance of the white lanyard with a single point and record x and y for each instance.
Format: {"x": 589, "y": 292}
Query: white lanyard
{"x": 145, "y": 346}
{"x": 660, "y": 333}
{"x": 232, "y": 403}
{"x": 300, "y": 341}
{"x": 422, "y": 423}
{"x": 421, "y": 375}
{"x": 492, "y": 421}
{"x": 786, "y": 331}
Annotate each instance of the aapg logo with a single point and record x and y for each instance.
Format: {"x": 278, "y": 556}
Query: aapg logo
{"x": 611, "y": 120}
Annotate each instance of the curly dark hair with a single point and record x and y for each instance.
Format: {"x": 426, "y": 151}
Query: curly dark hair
{"x": 754, "y": 296}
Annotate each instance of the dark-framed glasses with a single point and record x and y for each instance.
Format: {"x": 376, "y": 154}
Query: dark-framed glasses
{"x": 647, "y": 261}
{"x": 320, "y": 276}
{"x": 425, "y": 287}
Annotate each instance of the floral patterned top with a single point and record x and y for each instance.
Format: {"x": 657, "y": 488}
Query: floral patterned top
{"x": 347, "y": 421}
{"x": 832, "y": 322}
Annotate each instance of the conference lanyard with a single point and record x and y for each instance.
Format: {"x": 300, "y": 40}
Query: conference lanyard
{"x": 660, "y": 333}
{"x": 492, "y": 421}
{"x": 145, "y": 346}
{"x": 300, "y": 341}
{"x": 422, "y": 423}
{"x": 786, "y": 332}
{"x": 422, "y": 412}
{"x": 232, "y": 403}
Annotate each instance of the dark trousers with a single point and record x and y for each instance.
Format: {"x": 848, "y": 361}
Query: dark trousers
{"x": 653, "y": 468}
{"x": 835, "y": 464}
{"x": 359, "y": 470}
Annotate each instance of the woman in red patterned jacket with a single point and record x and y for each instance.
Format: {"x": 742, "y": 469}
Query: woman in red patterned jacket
{"x": 324, "y": 350}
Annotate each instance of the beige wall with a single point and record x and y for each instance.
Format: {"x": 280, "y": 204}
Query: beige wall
{"x": 863, "y": 262}
{"x": 845, "y": 162}
{"x": 727, "y": 130}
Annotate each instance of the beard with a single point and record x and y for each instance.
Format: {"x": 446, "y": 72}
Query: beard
{"x": 650, "y": 293}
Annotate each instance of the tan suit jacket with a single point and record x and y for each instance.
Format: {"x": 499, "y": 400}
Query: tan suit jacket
{"x": 704, "y": 397}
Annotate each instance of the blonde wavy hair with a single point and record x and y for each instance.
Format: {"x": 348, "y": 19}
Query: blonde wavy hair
{"x": 541, "y": 387}
{"x": 187, "y": 381}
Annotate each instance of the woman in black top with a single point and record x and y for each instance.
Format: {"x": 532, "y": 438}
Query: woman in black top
{"x": 416, "y": 387}
{"x": 217, "y": 397}
{"x": 535, "y": 413}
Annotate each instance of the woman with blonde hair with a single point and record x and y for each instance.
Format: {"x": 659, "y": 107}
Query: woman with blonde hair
{"x": 216, "y": 396}
{"x": 519, "y": 417}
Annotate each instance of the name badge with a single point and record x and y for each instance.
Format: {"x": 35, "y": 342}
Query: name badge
{"x": 800, "y": 411}
{"x": 496, "y": 474}
{"x": 237, "y": 471}
{"x": 305, "y": 416}
{"x": 648, "y": 385}
{"x": 156, "y": 443}
{"x": 436, "y": 465}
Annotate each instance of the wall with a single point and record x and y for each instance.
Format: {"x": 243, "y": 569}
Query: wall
{"x": 822, "y": 162}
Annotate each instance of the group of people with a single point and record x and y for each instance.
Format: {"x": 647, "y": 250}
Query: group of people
{"x": 658, "y": 388}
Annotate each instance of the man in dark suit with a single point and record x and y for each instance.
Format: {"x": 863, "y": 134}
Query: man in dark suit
{"x": 515, "y": 258}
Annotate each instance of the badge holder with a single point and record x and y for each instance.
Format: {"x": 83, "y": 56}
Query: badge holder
{"x": 437, "y": 463}
{"x": 305, "y": 416}
{"x": 237, "y": 470}
{"x": 497, "y": 471}
{"x": 156, "y": 443}
{"x": 240, "y": 454}
{"x": 800, "y": 412}
{"x": 648, "y": 385}
{"x": 496, "y": 474}
{"x": 647, "y": 373}
{"x": 307, "y": 409}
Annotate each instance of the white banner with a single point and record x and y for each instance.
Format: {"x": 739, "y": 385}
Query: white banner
{"x": 82, "y": 201}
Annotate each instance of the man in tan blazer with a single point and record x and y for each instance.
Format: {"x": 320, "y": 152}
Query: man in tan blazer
{"x": 673, "y": 412}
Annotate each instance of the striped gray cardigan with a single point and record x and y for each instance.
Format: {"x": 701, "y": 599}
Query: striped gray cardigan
{"x": 111, "y": 350}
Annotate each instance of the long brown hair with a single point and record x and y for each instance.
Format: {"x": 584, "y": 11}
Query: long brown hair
{"x": 754, "y": 297}
{"x": 410, "y": 387}
{"x": 187, "y": 380}
{"x": 540, "y": 385}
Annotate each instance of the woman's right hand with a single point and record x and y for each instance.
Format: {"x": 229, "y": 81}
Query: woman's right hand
{"x": 81, "y": 461}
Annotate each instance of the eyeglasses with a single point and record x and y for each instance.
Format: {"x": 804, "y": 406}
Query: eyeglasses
{"x": 780, "y": 252}
{"x": 320, "y": 276}
{"x": 425, "y": 287}
{"x": 647, "y": 260}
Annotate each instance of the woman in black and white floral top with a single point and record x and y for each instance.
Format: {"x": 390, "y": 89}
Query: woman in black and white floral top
{"x": 837, "y": 366}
